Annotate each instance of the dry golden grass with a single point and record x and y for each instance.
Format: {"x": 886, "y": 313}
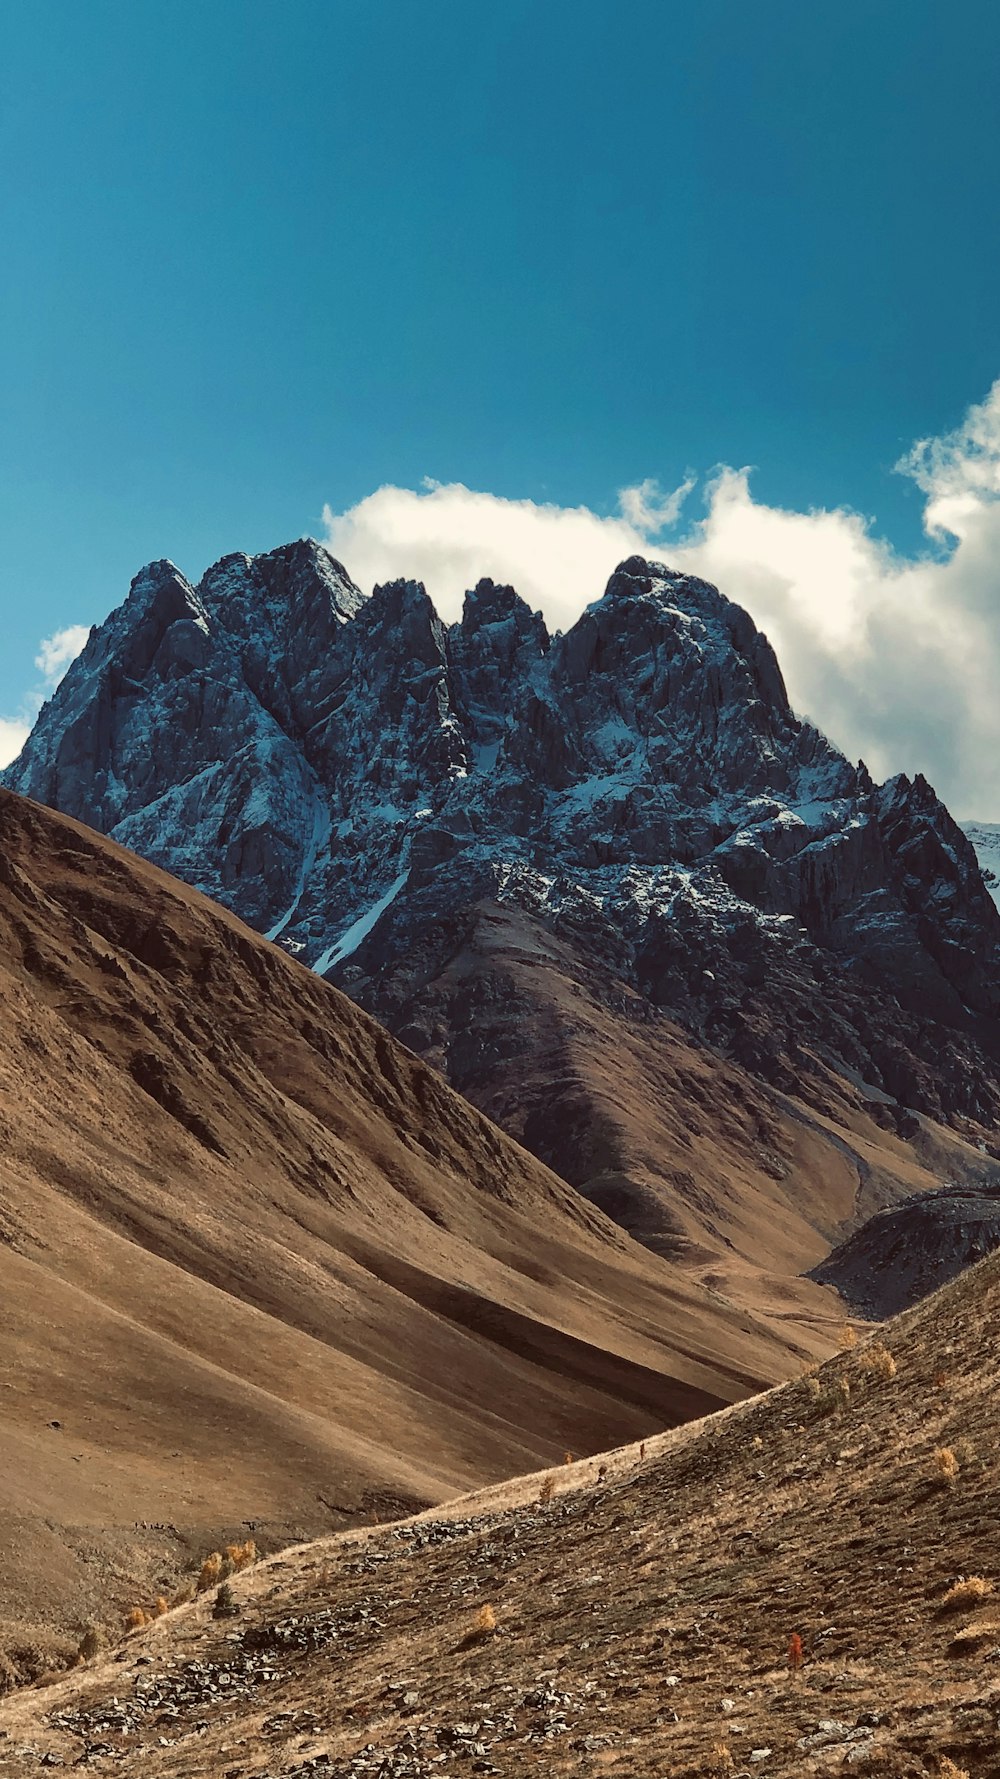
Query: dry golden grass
{"x": 486, "y": 1621}
{"x": 944, "y": 1466}
{"x": 948, "y": 1770}
{"x": 879, "y": 1362}
{"x": 547, "y": 1489}
{"x": 135, "y": 1618}
{"x": 210, "y": 1572}
{"x": 968, "y": 1590}
{"x": 240, "y": 1556}
{"x": 972, "y": 1637}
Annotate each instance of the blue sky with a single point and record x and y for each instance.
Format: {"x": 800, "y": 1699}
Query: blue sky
{"x": 259, "y": 258}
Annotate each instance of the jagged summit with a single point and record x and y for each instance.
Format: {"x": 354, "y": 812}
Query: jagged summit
{"x": 357, "y": 778}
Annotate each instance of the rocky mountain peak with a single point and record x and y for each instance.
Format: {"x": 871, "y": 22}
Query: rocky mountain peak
{"x": 350, "y": 774}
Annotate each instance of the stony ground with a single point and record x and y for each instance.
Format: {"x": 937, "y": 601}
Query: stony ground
{"x": 637, "y": 1623}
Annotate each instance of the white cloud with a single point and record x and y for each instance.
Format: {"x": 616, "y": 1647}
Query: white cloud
{"x": 898, "y": 659}
{"x": 650, "y": 510}
{"x": 449, "y": 537}
{"x": 57, "y": 652}
{"x": 13, "y": 736}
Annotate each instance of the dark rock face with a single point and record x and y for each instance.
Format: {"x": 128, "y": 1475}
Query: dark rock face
{"x": 902, "y": 1254}
{"x": 353, "y": 777}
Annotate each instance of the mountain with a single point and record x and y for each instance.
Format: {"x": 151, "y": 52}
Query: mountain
{"x": 263, "y": 1272}
{"x": 736, "y": 994}
{"x": 902, "y": 1253}
{"x": 803, "y": 1584}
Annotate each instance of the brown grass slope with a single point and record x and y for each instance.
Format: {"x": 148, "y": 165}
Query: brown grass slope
{"x": 638, "y": 1623}
{"x": 261, "y": 1270}
{"x": 745, "y": 1185}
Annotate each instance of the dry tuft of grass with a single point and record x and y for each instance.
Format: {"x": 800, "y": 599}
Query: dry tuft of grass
{"x": 210, "y": 1572}
{"x": 90, "y": 1644}
{"x": 486, "y": 1621}
{"x": 972, "y": 1637}
{"x": 847, "y": 1337}
{"x": 135, "y": 1618}
{"x": 879, "y": 1363}
{"x": 547, "y": 1489}
{"x": 720, "y": 1760}
{"x": 948, "y": 1770}
{"x": 944, "y": 1466}
{"x": 240, "y": 1556}
{"x": 968, "y": 1590}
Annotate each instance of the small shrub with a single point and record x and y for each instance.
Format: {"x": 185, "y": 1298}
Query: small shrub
{"x": 135, "y": 1618}
{"x": 879, "y": 1363}
{"x": 567, "y": 1457}
{"x": 842, "y": 1393}
{"x": 240, "y": 1556}
{"x": 90, "y": 1644}
{"x": 211, "y": 1571}
{"x": 160, "y": 1606}
{"x": 547, "y": 1489}
{"x": 847, "y": 1337}
{"x": 486, "y": 1621}
{"x": 948, "y": 1770}
{"x": 944, "y": 1466}
{"x": 721, "y": 1760}
{"x": 968, "y": 1590}
{"x": 814, "y": 1388}
{"x": 796, "y": 1653}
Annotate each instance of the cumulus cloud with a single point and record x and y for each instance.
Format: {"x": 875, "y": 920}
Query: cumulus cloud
{"x": 13, "y": 735}
{"x": 57, "y": 652}
{"x": 896, "y": 658}
{"x": 450, "y": 536}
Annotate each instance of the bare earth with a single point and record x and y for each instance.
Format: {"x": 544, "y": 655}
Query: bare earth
{"x": 643, "y": 1616}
